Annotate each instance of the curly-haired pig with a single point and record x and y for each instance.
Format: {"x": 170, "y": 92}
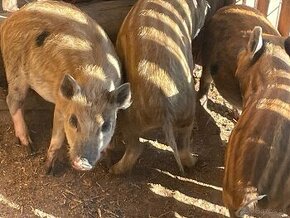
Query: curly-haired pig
{"x": 257, "y": 164}
{"x": 225, "y": 34}
{"x": 66, "y": 57}
{"x": 155, "y": 45}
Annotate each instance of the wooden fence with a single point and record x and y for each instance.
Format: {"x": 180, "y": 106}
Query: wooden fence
{"x": 277, "y": 11}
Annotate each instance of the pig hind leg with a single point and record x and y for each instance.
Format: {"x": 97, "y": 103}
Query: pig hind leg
{"x": 204, "y": 86}
{"x": 170, "y": 139}
{"x": 183, "y": 136}
{"x": 17, "y": 91}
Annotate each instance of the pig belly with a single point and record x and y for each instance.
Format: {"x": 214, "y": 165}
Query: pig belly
{"x": 45, "y": 91}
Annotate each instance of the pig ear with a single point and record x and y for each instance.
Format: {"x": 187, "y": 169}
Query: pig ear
{"x": 121, "y": 96}
{"x": 69, "y": 87}
{"x": 287, "y": 45}
{"x": 256, "y": 41}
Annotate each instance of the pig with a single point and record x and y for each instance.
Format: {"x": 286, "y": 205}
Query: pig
{"x": 67, "y": 58}
{"x": 257, "y": 172}
{"x": 223, "y": 37}
{"x": 154, "y": 45}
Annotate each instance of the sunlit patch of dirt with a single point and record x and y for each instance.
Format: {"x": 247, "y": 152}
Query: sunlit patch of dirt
{"x": 155, "y": 187}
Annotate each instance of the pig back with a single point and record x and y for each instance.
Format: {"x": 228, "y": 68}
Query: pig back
{"x": 258, "y": 154}
{"x": 226, "y": 33}
{"x": 48, "y": 39}
{"x": 155, "y": 45}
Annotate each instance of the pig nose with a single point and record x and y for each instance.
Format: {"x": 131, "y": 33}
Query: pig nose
{"x": 82, "y": 164}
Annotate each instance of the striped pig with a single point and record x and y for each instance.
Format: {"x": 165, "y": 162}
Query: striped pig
{"x": 61, "y": 53}
{"x": 223, "y": 37}
{"x": 154, "y": 43}
{"x": 257, "y": 166}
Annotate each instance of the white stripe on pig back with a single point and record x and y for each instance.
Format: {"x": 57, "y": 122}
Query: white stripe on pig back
{"x": 171, "y": 24}
{"x": 189, "y": 14}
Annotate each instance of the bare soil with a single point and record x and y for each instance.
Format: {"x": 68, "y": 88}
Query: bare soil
{"x": 153, "y": 189}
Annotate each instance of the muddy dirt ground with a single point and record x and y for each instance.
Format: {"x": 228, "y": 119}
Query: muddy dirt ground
{"x": 153, "y": 189}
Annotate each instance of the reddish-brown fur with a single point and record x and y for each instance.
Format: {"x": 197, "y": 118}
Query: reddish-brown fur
{"x": 154, "y": 44}
{"x": 66, "y": 57}
{"x": 223, "y": 37}
{"x": 258, "y": 153}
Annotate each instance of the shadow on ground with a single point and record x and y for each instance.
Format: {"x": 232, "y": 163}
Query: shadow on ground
{"x": 154, "y": 188}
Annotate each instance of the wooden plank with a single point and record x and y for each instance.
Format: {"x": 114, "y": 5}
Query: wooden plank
{"x": 263, "y": 5}
{"x": 109, "y": 14}
{"x": 284, "y": 20}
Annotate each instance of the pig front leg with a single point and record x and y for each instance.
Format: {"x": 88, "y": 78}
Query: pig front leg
{"x": 204, "y": 86}
{"x": 57, "y": 139}
{"x": 170, "y": 139}
{"x": 133, "y": 150}
{"x": 17, "y": 91}
{"x": 9, "y": 5}
{"x": 183, "y": 136}
{"x": 236, "y": 114}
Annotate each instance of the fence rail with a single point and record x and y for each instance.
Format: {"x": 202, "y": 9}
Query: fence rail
{"x": 277, "y": 11}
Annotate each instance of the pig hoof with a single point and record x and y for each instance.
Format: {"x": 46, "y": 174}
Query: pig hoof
{"x": 114, "y": 171}
{"x": 236, "y": 115}
{"x": 49, "y": 170}
{"x": 203, "y": 100}
{"x": 49, "y": 167}
{"x": 31, "y": 149}
{"x": 117, "y": 170}
{"x": 181, "y": 170}
{"x": 188, "y": 160}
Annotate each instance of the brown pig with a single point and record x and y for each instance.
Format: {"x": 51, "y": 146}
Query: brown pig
{"x": 66, "y": 57}
{"x": 257, "y": 166}
{"x": 154, "y": 43}
{"x": 223, "y": 37}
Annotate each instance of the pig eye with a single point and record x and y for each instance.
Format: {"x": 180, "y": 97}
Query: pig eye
{"x": 106, "y": 126}
{"x": 73, "y": 121}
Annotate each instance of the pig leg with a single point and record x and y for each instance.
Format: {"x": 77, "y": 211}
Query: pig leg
{"x": 183, "y": 136}
{"x": 57, "y": 139}
{"x": 170, "y": 139}
{"x": 133, "y": 150}
{"x": 9, "y": 5}
{"x": 236, "y": 114}
{"x": 204, "y": 86}
{"x": 108, "y": 152}
{"x": 232, "y": 213}
{"x": 17, "y": 91}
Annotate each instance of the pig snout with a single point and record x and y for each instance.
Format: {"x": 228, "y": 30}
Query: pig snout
{"x": 82, "y": 164}
{"x": 87, "y": 159}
